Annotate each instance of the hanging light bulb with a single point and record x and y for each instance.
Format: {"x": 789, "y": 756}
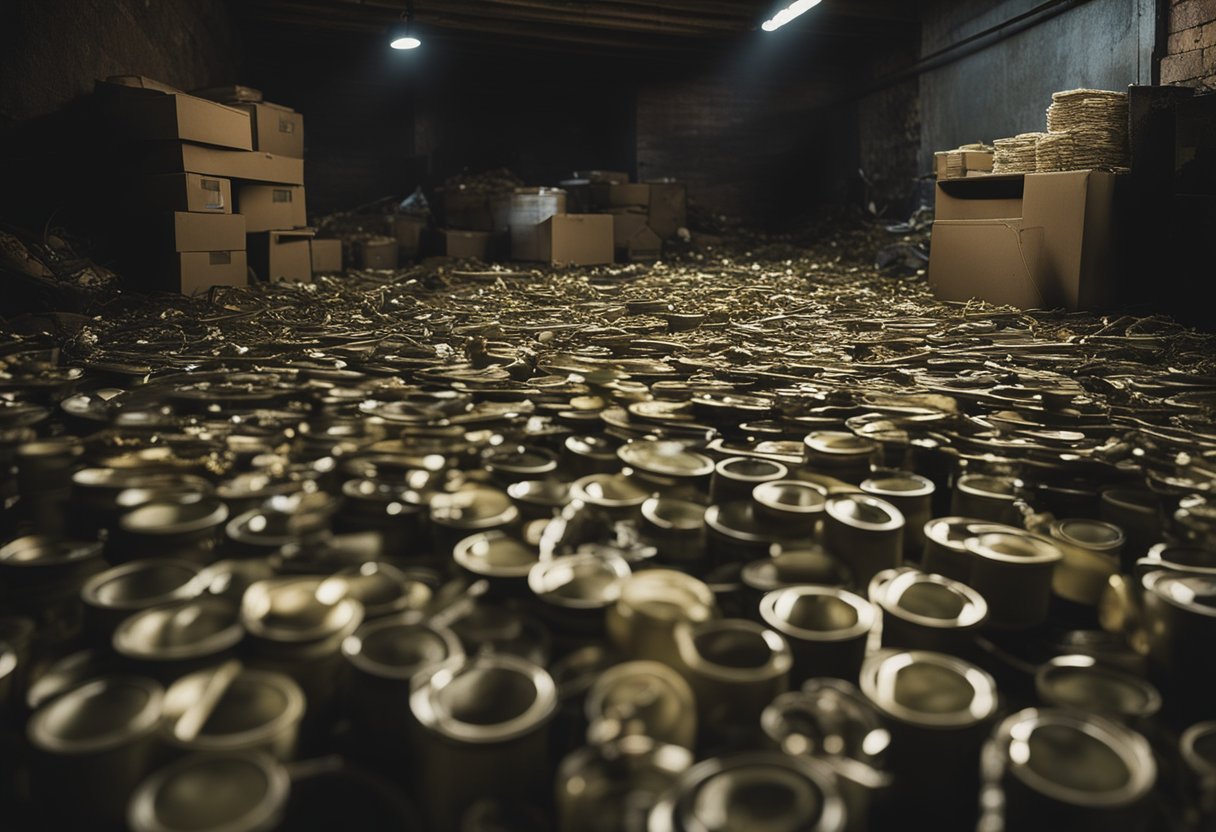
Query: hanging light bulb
{"x": 402, "y": 35}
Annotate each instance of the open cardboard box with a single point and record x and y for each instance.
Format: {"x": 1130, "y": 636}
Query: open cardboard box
{"x": 1038, "y": 240}
{"x": 278, "y": 256}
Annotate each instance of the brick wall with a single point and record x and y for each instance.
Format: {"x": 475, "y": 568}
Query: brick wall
{"x": 1191, "y": 50}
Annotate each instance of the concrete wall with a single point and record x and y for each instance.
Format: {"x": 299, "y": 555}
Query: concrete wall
{"x": 1006, "y": 88}
{"x": 51, "y": 51}
{"x": 1191, "y": 49}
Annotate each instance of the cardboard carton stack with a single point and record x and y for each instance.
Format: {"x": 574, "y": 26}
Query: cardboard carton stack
{"x": 180, "y": 232}
{"x": 220, "y": 185}
{"x": 279, "y": 242}
{"x": 644, "y": 214}
{"x": 472, "y": 215}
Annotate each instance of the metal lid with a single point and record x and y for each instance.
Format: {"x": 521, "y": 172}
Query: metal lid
{"x": 142, "y": 583}
{"x": 230, "y": 708}
{"x": 668, "y": 594}
{"x": 796, "y": 567}
{"x": 220, "y": 793}
{"x": 495, "y": 555}
{"x": 297, "y": 610}
{"x": 817, "y": 613}
{"x": 732, "y": 650}
{"x": 988, "y": 487}
{"x": 579, "y": 581}
{"x": 185, "y": 629}
{"x": 898, "y": 485}
{"x": 928, "y": 690}
{"x": 928, "y": 600}
{"x": 97, "y": 716}
{"x": 750, "y": 469}
{"x": 1195, "y": 594}
{"x": 792, "y": 499}
{"x": 381, "y": 588}
{"x": 1181, "y": 557}
{"x": 400, "y": 647}
{"x": 750, "y": 792}
{"x": 665, "y": 458}
{"x": 864, "y": 512}
{"x": 953, "y": 532}
{"x": 610, "y": 491}
{"x": 488, "y": 699}
{"x": 42, "y": 551}
{"x": 475, "y": 507}
{"x": 832, "y": 446}
{"x": 1092, "y": 535}
{"x": 1075, "y": 758}
{"x": 1081, "y": 682}
{"x": 547, "y": 495}
{"x": 737, "y": 520}
{"x": 1013, "y": 547}
{"x": 171, "y": 518}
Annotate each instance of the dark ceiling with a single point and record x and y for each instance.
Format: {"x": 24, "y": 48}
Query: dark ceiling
{"x": 615, "y": 26}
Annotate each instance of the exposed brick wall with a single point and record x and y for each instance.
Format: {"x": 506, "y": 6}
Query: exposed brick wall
{"x": 1191, "y": 50}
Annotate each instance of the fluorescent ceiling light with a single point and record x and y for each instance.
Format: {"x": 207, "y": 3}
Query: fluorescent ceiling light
{"x": 788, "y": 13}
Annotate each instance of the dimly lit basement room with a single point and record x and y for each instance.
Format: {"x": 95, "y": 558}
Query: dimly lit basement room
{"x": 607, "y": 415}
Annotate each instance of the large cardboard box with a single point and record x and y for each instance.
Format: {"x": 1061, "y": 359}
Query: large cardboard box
{"x": 272, "y": 207}
{"x": 577, "y": 239}
{"x": 151, "y": 113}
{"x": 625, "y": 224}
{"x": 277, "y": 256}
{"x": 326, "y": 256}
{"x": 1043, "y": 240}
{"x": 643, "y": 246}
{"x": 377, "y": 253}
{"x": 276, "y": 129}
{"x": 196, "y": 271}
{"x": 206, "y": 232}
{"x": 186, "y": 192}
{"x": 668, "y": 211}
{"x": 182, "y": 157}
{"x": 476, "y": 244}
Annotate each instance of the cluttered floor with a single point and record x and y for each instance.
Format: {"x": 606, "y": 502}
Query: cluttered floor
{"x": 494, "y": 424}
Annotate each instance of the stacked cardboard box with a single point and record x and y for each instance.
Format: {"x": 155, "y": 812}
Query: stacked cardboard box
{"x": 645, "y": 214}
{"x": 180, "y": 232}
{"x": 271, "y": 197}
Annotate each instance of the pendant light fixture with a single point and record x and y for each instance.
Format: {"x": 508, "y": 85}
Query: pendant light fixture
{"x": 402, "y": 35}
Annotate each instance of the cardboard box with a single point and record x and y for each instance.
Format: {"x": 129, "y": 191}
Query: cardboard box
{"x": 272, "y": 207}
{"x": 408, "y": 231}
{"x": 252, "y": 165}
{"x": 643, "y": 246}
{"x": 622, "y": 196}
{"x": 276, "y": 129}
{"x": 668, "y": 211}
{"x": 1043, "y": 240}
{"x": 189, "y": 272}
{"x": 326, "y": 256}
{"x": 186, "y": 192}
{"x": 480, "y": 245}
{"x": 277, "y": 256}
{"x": 206, "y": 232}
{"x": 377, "y": 253}
{"x": 625, "y": 224}
{"x": 577, "y": 239}
{"x": 150, "y": 113}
